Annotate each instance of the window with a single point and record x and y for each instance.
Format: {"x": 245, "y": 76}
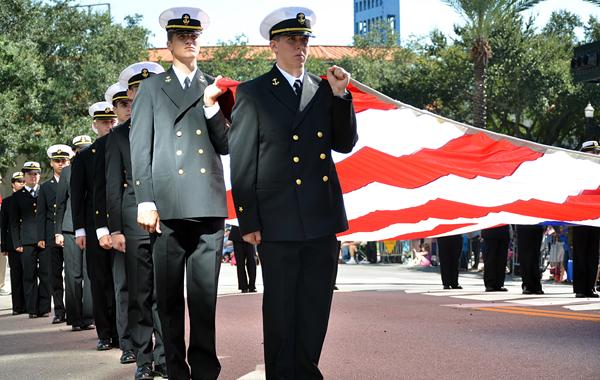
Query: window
{"x": 392, "y": 22}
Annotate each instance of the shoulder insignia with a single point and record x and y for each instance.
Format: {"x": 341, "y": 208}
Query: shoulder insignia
{"x": 168, "y": 79}
{"x": 275, "y": 81}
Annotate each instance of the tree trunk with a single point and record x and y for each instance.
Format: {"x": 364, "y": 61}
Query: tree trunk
{"x": 479, "y": 101}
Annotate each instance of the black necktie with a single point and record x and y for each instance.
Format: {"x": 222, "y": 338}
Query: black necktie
{"x": 32, "y": 192}
{"x": 298, "y": 88}
{"x": 186, "y": 83}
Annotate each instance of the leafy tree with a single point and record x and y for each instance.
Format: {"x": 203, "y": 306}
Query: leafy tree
{"x": 55, "y": 61}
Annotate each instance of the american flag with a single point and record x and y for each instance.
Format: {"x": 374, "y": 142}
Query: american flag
{"x": 414, "y": 174}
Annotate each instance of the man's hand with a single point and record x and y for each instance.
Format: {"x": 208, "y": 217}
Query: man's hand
{"x": 118, "y": 242}
{"x": 41, "y": 244}
{"x": 105, "y": 242}
{"x": 252, "y": 238}
{"x": 80, "y": 241}
{"x": 149, "y": 221}
{"x": 59, "y": 239}
{"x": 212, "y": 93}
{"x": 338, "y": 79}
{"x": 19, "y": 249}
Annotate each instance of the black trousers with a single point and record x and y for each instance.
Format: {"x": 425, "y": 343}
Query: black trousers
{"x": 585, "y": 258}
{"x": 119, "y": 276}
{"x": 16, "y": 282}
{"x": 529, "y": 239}
{"x": 449, "y": 250}
{"x": 494, "y": 261}
{"x": 245, "y": 261}
{"x": 78, "y": 293}
{"x": 476, "y": 248}
{"x": 298, "y": 279}
{"x": 36, "y": 279}
{"x": 192, "y": 248}
{"x": 56, "y": 278}
{"x": 103, "y": 293}
{"x": 143, "y": 313}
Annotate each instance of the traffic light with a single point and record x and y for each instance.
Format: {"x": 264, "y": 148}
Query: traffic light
{"x": 585, "y": 64}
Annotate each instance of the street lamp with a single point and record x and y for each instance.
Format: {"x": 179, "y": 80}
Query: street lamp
{"x": 589, "y": 119}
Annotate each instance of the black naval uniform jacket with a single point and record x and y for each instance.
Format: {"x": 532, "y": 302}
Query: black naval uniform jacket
{"x": 6, "y": 243}
{"x": 120, "y": 195}
{"x": 175, "y": 149}
{"x": 46, "y": 211}
{"x": 22, "y": 219}
{"x": 284, "y": 181}
{"x": 63, "y": 221}
{"x": 81, "y": 190}
{"x": 99, "y": 183}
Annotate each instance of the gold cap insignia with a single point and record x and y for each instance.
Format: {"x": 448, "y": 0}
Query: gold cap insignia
{"x": 186, "y": 19}
{"x": 275, "y": 81}
{"x": 301, "y": 18}
{"x": 145, "y": 73}
{"x": 107, "y": 110}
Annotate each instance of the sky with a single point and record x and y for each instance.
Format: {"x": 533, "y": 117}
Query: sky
{"x": 335, "y": 19}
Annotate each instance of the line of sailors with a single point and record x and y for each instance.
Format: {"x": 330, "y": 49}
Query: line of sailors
{"x": 85, "y": 216}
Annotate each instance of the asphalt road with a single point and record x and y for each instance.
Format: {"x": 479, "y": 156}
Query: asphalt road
{"x": 388, "y": 322}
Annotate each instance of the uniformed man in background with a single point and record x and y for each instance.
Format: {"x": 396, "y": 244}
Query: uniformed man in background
{"x": 117, "y": 96}
{"x": 177, "y": 134}
{"x": 286, "y": 190}
{"x": 8, "y": 248}
{"x": 129, "y": 237}
{"x": 36, "y": 262}
{"x": 60, "y": 156}
{"x": 78, "y": 294}
{"x": 98, "y": 259}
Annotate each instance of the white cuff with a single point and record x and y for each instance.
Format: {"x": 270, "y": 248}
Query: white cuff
{"x": 102, "y": 231}
{"x": 80, "y": 232}
{"x": 211, "y": 111}
{"x": 146, "y": 206}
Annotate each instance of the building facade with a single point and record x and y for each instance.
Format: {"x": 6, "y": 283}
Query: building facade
{"x": 369, "y": 13}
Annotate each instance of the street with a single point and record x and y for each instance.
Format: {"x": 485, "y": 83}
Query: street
{"x": 387, "y": 322}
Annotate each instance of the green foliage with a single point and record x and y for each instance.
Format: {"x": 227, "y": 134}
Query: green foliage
{"x": 55, "y": 61}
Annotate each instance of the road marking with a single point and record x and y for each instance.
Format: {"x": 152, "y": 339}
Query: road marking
{"x": 257, "y": 374}
{"x": 543, "y": 313}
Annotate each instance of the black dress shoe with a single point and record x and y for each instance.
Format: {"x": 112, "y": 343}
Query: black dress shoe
{"x": 446, "y": 287}
{"x": 127, "y": 357}
{"x": 58, "y": 319}
{"x": 161, "y": 370}
{"x": 87, "y": 327}
{"x": 103, "y": 345}
{"x": 527, "y": 291}
{"x": 252, "y": 290}
{"x": 334, "y": 288}
{"x": 244, "y": 290}
{"x": 488, "y": 289}
{"x": 501, "y": 289}
{"x": 43, "y": 315}
{"x": 540, "y": 291}
{"x": 579, "y": 295}
{"x": 592, "y": 295}
{"x": 144, "y": 372}
{"x": 15, "y": 312}
{"x": 456, "y": 287}
{"x": 33, "y": 316}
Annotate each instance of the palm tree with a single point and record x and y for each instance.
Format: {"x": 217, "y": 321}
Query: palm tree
{"x": 481, "y": 17}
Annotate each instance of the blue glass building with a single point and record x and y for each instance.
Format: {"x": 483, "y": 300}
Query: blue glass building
{"x": 367, "y": 13}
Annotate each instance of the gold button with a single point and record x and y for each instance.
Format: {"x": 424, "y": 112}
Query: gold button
{"x": 202, "y": 170}
{"x": 296, "y": 159}
{"x": 179, "y": 133}
{"x": 319, "y": 134}
{"x": 200, "y": 151}
{"x": 97, "y": 212}
{"x": 34, "y": 204}
{"x": 93, "y": 151}
{"x": 325, "y": 178}
{"x": 137, "y": 183}
{"x": 296, "y": 137}
{"x": 180, "y": 171}
{"x": 124, "y": 185}
{"x": 55, "y": 205}
{"x": 322, "y": 156}
{"x": 198, "y": 132}
{"x": 240, "y": 209}
{"x": 179, "y": 153}
{"x": 298, "y": 182}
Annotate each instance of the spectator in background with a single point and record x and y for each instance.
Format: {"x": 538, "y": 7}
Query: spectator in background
{"x": 475, "y": 239}
{"x": 245, "y": 261}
